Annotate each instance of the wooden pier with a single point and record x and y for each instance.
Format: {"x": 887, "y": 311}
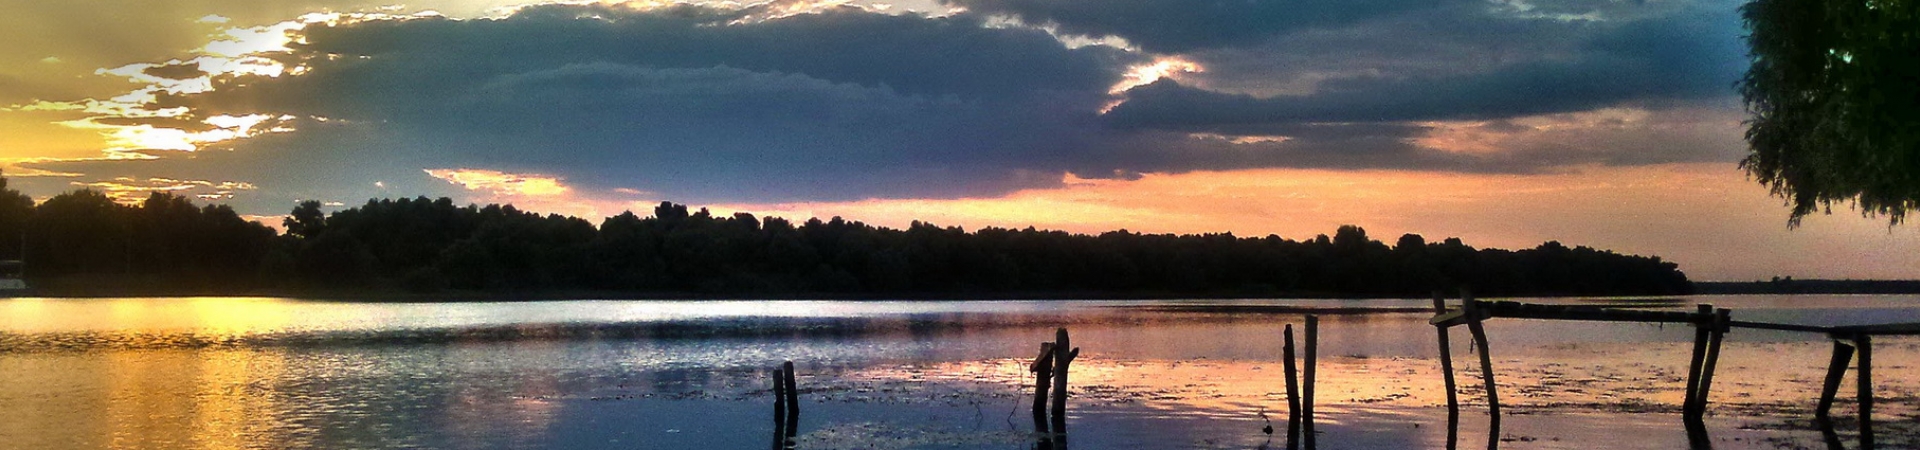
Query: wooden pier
{"x": 1851, "y": 344}
{"x": 1711, "y": 324}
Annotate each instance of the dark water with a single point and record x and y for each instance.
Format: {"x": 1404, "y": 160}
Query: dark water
{"x": 279, "y": 373}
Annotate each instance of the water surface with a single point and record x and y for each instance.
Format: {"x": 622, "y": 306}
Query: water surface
{"x": 284, "y": 373}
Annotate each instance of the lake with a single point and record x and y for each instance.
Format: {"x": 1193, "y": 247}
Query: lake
{"x": 222, "y": 373}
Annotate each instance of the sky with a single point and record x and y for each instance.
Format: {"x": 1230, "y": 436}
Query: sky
{"x": 1507, "y": 123}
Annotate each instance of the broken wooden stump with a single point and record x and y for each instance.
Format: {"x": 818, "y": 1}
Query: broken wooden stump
{"x": 1042, "y": 369}
{"x": 1062, "y": 361}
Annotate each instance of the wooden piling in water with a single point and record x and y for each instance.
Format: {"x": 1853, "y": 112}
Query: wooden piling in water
{"x": 1720, "y": 317}
{"x": 1293, "y": 374}
{"x": 779, "y": 409}
{"x": 1701, "y": 333}
{"x": 1446, "y": 356}
{"x": 1474, "y": 316}
{"x": 1836, "y": 370}
{"x": 1062, "y": 361}
{"x": 1863, "y": 344}
{"x": 1042, "y": 380}
{"x": 793, "y": 403}
{"x": 1307, "y": 379}
{"x": 1711, "y": 325}
{"x": 1293, "y": 389}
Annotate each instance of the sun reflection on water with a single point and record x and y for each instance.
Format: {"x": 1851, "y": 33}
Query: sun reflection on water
{"x": 527, "y": 375}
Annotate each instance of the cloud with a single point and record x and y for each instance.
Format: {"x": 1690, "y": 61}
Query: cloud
{"x": 758, "y": 103}
{"x": 1175, "y": 26}
{"x": 1394, "y": 61}
{"x": 132, "y": 191}
{"x": 502, "y": 183}
{"x": 682, "y": 101}
{"x": 1457, "y": 64}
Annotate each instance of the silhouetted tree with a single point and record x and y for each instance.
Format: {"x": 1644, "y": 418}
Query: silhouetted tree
{"x": 15, "y": 210}
{"x": 1834, "y": 91}
{"x": 306, "y": 220}
{"x": 427, "y": 245}
{"x": 80, "y": 232}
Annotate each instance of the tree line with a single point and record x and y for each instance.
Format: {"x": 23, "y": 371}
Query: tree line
{"x": 166, "y": 243}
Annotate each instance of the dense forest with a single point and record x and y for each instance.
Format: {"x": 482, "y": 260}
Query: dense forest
{"x": 83, "y": 241}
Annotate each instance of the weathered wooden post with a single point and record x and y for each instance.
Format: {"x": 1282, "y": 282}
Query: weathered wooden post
{"x": 1062, "y": 361}
{"x": 1703, "y": 325}
{"x": 1863, "y": 343}
{"x": 1293, "y": 390}
{"x": 1697, "y": 436}
{"x": 1471, "y": 308}
{"x": 793, "y": 403}
{"x": 1306, "y": 378}
{"x": 1719, "y": 324}
{"x": 1446, "y": 355}
{"x": 1453, "y": 431}
{"x": 1829, "y": 436}
{"x": 779, "y": 409}
{"x": 1042, "y": 380}
{"x": 1836, "y": 370}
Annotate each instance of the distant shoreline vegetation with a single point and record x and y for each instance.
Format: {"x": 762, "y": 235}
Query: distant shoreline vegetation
{"x": 1789, "y": 285}
{"x": 82, "y": 243}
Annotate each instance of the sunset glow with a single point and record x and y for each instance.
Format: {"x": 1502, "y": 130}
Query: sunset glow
{"x": 1149, "y": 73}
{"x": 963, "y": 113}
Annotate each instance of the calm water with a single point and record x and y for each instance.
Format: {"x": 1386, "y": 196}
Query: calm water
{"x": 280, "y": 373}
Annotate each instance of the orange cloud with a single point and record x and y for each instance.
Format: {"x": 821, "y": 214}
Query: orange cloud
{"x": 132, "y": 191}
{"x": 544, "y": 193}
{"x": 502, "y": 183}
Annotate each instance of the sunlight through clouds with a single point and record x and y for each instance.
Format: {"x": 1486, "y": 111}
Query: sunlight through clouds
{"x": 1154, "y": 115}
{"x": 133, "y": 191}
{"x": 1145, "y": 74}
{"x": 541, "y": 193}
{"x": 235, "y": 52}
{"x": 502, "y": 183}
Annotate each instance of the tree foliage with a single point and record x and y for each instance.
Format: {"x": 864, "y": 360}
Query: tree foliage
{"x": 427, "y": 245}
{"x": 1834, "y": 93}
{"x": 166, "y": 238}
{"x": 422, "y": 244}
{"x": 15, "y": 209}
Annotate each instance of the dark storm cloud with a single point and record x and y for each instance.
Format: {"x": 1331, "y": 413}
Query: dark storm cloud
{"x": 682, "y": 102}
{"x": 1466, "y": 67}
{"x": 1180, "y": 26}
{"x": 710, "y": 104}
